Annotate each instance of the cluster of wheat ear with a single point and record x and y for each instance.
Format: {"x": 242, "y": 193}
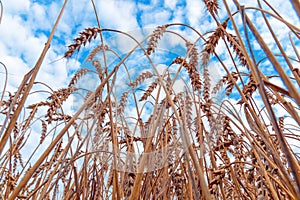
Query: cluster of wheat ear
{"x": 192, "y": 144}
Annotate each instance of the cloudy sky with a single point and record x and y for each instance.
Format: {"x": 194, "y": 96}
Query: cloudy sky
{"x": 26, "y": 25}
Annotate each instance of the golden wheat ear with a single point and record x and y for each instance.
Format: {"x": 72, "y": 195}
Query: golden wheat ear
{"x": 212, "y": 42}
{"x": 150, "y": 89}
{"x": 212, "y": 6}
{"x": 193, "y": 73}
{"x": 235, "y": 44}
{"x": 77, "y": 76}
{"x": 84, "y": 37}
{"x": 157, "y": 34}
{"x": 193, "y": 54}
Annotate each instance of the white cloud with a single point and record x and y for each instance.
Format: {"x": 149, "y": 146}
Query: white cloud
{"x": 39, "y": 17}
{"x": 118, "y": 14}
{"x": 194, "y": 12}
{"x": 13, "y": 7}
{"x": 170, "y": 4}
{"x": 158, "y": 17}
{"x": 16, "y": 67}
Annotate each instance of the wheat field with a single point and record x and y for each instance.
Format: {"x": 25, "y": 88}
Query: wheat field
{"x": 171, "y": 132}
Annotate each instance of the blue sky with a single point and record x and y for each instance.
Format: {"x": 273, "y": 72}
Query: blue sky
{"x": 26, "y": 25}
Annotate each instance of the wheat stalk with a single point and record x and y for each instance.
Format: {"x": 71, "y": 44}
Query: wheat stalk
{"x": 193, "y": 145}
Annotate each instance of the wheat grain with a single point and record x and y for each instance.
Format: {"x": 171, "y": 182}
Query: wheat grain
{"x": 193, "y": 73}
{"x": 206, "y": 91}
{"x": 212, "y": 6}
{"x": 212, "y": 42}
{"x": 96, "y": 50}
{"x": 150, "y": 89}
{"x": 77, "y": 76}
{"x": 84, "y": 37}
{"x": 155, "y": 37}
{"x": 193, "y": 54}
{"x": 234, "y": 42}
